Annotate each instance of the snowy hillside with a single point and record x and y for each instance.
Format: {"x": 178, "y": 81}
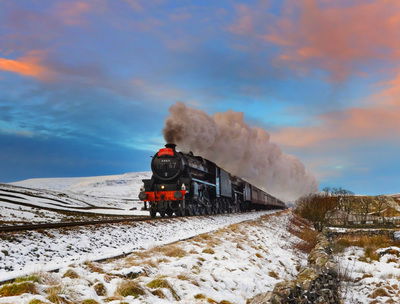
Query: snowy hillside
{"x": 68, "y": 199}
{"x": 117, "y": 186}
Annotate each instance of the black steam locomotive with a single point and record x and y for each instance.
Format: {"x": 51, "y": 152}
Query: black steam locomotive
{"x": 185, "y": 184}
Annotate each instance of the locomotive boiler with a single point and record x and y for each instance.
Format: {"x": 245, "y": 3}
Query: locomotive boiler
{"x": 185, "y": 184}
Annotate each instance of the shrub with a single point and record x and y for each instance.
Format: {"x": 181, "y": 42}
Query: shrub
{"x": 315, "y": 208}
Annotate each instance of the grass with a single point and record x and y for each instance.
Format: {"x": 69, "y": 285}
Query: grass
{"x": 158, "y": 293}
{"x": 89, "y": 301}
{"x": 301, "y": 228}
{"x": 130, "y": 288}
{"x": 174, "y": 251}
{"x": 30, "y": 278}
{"x": 93, "y": 267}
{"x": 369, "y": 243}
{"x": 199, "y": 296}
{"x": 208, "y": 251}
{"x": 273, "y": 274}
{"x": 380, "y": 292}
{"x": 16, "y": 289}
{"x": 70, "y": 274}
{"x": 183, "y": 277}
{"x": 162, "y": 283}
{"x": 54, "y": 295}
{"x": 36, "y": 301}
{"x": 100, "y": 289}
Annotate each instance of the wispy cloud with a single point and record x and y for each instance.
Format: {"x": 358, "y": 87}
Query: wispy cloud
{"x": 29, "y": 65}
{"x": 379, "y": 121}
{"x": 341, "y": 38}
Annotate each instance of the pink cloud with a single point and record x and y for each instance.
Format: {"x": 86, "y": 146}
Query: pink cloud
{"x": 336, "y": 36}
{"x": 29, "y": 65}
{"x": 380, "y": 120}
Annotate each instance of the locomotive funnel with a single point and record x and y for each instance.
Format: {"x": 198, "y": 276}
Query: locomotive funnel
{"x": 171, "y": 146}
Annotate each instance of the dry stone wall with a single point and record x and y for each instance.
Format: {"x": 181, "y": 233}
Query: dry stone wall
{"x": 315, "y": 284}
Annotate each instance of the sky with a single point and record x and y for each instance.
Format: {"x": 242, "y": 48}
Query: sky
{"x": 85, "y": 86}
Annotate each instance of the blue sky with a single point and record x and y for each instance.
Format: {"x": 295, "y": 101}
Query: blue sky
{"x": 85, "y": 86}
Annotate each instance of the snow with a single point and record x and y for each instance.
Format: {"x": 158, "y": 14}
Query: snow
{"x": 47, "y": 200}
{"x": 32, "y": 249}
{"x": 368, "y": 276}
{"x": 116, "y": 186}
{"x": 230, "y": 264}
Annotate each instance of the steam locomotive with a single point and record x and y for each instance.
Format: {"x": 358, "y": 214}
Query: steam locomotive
{"x": 185, "y": 184}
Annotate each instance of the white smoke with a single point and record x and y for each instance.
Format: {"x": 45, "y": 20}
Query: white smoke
{"x": 242, "y": 150}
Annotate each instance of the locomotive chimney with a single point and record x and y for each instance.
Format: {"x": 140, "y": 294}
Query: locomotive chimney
{"x": 171, "y": 146}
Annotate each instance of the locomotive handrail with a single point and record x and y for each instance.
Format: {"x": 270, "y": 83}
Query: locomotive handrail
{"x": 203, "y": 182}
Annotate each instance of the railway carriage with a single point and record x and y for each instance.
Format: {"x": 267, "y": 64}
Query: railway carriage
{"x": 185, "y": 184}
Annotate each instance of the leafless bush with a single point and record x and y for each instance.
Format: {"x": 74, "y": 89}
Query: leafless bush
{"x": 316, "y": 208}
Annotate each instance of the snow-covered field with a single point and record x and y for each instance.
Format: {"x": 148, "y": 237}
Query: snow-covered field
{"x": 110, "y": 186}
{"x": 65, "y": 199}
{"x": 229, "y": 265}
{"x": 370, "y": 281}
{"x": 21, "y": 253}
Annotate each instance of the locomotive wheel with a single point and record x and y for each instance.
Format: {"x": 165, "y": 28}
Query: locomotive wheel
{"x": 178, "y": 212}
{"x": 170, "y": 212}
{"x": 153, "y": 213}
{"x": 162, "y": 213}
{"x": 209, "y": 210}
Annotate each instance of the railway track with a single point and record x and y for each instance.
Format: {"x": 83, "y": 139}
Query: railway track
{"x": 26, "y": 227}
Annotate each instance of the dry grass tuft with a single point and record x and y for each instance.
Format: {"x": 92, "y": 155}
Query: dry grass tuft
{"x": 94, "y": 267}
{"x": 199, "y": 296}
{"x": 16, "y": 289}
{"x": 183, "y": 277}
{"x": 130, "y": 288}
{"x": 303, "y": 230}
{"x": 100, "y": 289}
{"x": 380, "y": 292}
{"x": 36, "y": 301}
{"x": 369, "y": 243}
{"x": 173, "y": 251}
{"x": 90, "y": 301}
{"x": 30, "y": 278}
{"x": 54, "y": 295}
{"x": 208, "y": 251}
{"x": 162, "y": 283}
{"x": 273, "y": 274}
{"x": 158, "y": 293}
{"x": 70, "y": 274}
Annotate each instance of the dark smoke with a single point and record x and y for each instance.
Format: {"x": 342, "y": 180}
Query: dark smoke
{"x": 244, "y": 151}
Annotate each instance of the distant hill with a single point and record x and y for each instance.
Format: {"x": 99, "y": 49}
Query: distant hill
{"x": 117, "y": 186}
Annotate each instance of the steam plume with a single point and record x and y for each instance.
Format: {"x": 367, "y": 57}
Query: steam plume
{"x": 244, "y": 151}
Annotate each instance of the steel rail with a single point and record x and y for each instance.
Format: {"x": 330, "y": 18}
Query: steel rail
{"x": 27, "y": 227}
